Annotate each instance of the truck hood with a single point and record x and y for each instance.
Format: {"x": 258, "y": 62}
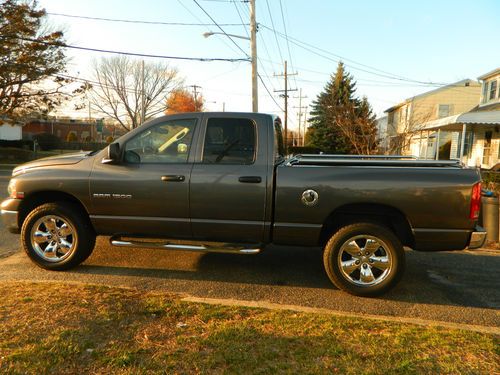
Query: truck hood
{"x": 65, "y": 159}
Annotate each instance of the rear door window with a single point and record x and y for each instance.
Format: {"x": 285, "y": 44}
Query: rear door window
{"x": 229, "y": 141}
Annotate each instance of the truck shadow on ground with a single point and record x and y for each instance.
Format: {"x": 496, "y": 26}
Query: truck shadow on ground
{"x": 450, "y": 278}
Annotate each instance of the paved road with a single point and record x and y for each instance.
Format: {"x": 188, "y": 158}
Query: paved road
{"x": 460, "y": 287}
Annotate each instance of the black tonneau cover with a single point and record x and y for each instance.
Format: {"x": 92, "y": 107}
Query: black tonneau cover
{"x": 370, "y": 160}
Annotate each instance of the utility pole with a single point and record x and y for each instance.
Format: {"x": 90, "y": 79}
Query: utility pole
{"x": 253, "y": 47}
{"x": 304, "y": 127}
{"x": 195, "y": 94}
{"x": 143, "y": 96}
{"x": 285, "y": 95}
{"x": 300, "y": 108}
{"x": 90, "y": 123}
{"x": 253, "y": 52}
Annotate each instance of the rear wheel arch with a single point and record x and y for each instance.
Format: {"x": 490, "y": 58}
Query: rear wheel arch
{"x": 380, "y": 214}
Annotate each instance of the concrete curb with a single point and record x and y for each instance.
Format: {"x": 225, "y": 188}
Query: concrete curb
{"x": 304, "y": 309}
{"x": 483, "y": 250}
{"x": 275, "y": 306}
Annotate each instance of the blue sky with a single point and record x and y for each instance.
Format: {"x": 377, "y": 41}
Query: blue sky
{"x": 426, "y": 41}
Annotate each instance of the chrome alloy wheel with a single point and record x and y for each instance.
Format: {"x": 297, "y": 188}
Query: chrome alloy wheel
{"x": 53, "y": 238}
{"x": 365, "y": 260}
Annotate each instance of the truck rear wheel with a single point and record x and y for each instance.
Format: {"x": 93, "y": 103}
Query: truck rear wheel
{"x": 57, "y": 236}
{"x": 364, "y": 259}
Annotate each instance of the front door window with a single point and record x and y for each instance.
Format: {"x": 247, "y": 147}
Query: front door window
{"x": 169, "y": 142}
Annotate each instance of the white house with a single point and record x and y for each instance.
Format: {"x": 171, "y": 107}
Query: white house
{"x": 10, "y": 131}
{"x": 476, "y": 138}
{"x": 406, "y": 120}
{"x": 383, "y": 139}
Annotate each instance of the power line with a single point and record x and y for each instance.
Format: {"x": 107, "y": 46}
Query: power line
{"x": 241, "y": 18}
{"x": 248, "y": 35}
{"x": 219, "y": 27}
{"x": 288, "y": 38}
{"x": 141, "y": 21}
{"x": 287, "y": 43}
{"x": 261, "y": 37}
{"x": 64, "y": 45}
{"x": 199, "y": 20}
{"x": 273, "y": 29}
{"x": 269, "y": 92}
{"x": 305, "y": 46}
{"x": 285, "y": 95}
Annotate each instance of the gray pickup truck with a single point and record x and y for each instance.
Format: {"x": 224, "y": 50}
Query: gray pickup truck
{"x": 220, "y": 182}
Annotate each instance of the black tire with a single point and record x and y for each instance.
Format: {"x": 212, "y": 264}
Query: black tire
{"x": 68, "y": 226}
{"x": 385, "y": 264}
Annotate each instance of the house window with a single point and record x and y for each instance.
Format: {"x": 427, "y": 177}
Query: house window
{"x": 485, "y": 92}
{"x": 487, "y": 147}
{"x": 493, "y": 89}
{"x": 390, "y": 118}
{"x": 443, "y": 110}
{"x": 469, "y": 141}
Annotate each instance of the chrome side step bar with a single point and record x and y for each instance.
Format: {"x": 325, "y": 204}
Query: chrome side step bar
{"x": 213, "y": 247}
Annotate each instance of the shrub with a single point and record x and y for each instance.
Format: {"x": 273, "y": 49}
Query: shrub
{"x": 109, "y": 139}
{"x": 47, "y": 141}
{"x": 15, "y": 155}
{"x": 491, "y": 181}
{"x": 295, "y": 150}
{"x": 26, "y": 144}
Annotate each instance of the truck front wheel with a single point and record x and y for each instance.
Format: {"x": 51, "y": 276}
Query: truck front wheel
{"x": 364, "y": 259}
{"x": 57, "y": 236}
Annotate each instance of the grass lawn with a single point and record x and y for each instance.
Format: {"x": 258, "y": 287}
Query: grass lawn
{"x": 66, "y": 328}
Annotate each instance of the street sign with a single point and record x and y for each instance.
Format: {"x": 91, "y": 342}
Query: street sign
{"x": 98, "y": 125}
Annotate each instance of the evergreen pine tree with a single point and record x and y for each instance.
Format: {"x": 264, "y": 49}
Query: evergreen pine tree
{"x": 340, "y": 122}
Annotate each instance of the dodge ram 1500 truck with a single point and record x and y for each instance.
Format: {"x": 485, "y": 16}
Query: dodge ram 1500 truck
{"x": 221, "y": 182}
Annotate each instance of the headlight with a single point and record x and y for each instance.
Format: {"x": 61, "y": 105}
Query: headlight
{"x": 13, "y": 193}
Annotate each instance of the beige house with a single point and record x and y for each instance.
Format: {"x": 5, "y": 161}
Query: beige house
{"x": 406, "y": 120}
{"x": 476, "y": 133}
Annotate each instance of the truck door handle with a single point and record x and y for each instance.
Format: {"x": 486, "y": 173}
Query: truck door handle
{"x": 250, "y": 179}
{"x": 173, "y": 178}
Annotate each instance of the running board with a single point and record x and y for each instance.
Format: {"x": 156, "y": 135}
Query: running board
{"x": 213, "y": 247}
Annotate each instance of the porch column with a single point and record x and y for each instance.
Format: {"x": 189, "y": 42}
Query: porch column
{"x": 437, "y": 144}
{"x": 427, "y": 146}
{"x": 462, "y": 144}
{"x": 420, "y": 146}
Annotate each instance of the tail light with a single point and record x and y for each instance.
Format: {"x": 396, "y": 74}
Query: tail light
{"x": 475, "y": 201}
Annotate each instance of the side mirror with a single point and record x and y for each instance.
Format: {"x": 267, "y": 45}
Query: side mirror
{"x": 113, "y": 154}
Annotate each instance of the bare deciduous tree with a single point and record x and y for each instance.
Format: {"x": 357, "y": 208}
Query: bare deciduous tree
{"x": 403, "y": 131}
{"x": 357, "y": 125}
{"x": 126, "y": 89}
